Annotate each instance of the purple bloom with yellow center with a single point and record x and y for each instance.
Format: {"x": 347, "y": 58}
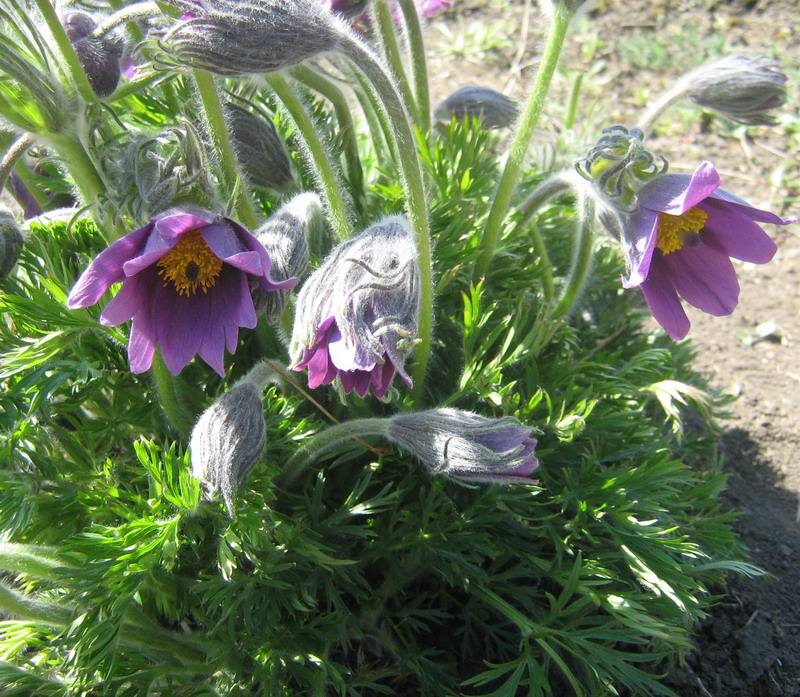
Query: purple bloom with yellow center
{"x": 185, "y": 284}
{"x": 683, "y": 234}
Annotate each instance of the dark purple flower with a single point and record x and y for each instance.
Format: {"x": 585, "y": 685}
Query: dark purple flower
{"x": 185, "y": 283}
{"x": 356, "y": 316}
{"x": 682, "y": 235}
{"x": 467, "y": 447}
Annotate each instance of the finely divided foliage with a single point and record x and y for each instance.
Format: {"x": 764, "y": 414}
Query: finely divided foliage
{"x": 519, "y": 513}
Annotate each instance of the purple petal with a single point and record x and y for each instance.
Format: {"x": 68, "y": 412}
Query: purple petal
{"x": 141, "y": 343}
{"x": 171, "y": 227}
{"x": 131, "y": 299}
{"x": 732, "y": 231}
{"x": 662, "y": 299}
{"x": 249, "y": 242}
{"x": 757, "y": 214}
{"x": 181, "y": 322}
{"x": 704, "y": 277}
{"x": 677, "y": 193}
{"x": 106, "y": 269}
{"x": 320, "y": 368}
{"x": 643, "y": 227}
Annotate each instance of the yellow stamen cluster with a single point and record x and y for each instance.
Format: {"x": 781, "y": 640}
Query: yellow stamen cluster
{"x": 190, "y": 265}
{"x": 675, "y": 230}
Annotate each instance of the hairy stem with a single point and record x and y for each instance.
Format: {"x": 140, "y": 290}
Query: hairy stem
{"x": 582, "y": 257}
{"x": 382, "y": 14}
{"x": 14, "y": 153}
{"x": 170, "y": 400}
{"x": 419, "y": 65}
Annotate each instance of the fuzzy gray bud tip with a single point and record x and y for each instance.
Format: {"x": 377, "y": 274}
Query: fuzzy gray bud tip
{"x": 99, "y": 57}
{"x": 228, "y": 37}
{"x": 228, "y": 440}
{"x": 467, "y": 447}
{"x": 261, "y": 152}
{"x": 11, "y": 241}
{"x": 285, "y": 237}
{"x": 495, "y": 110}
{"x": 742, "y": 88}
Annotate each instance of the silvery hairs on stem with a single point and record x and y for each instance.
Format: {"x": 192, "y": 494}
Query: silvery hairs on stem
{"x": 492, "y": 108}
{"x": 228, "y": 440}
{"x": 370, "y": 286}
{"x": 239, "y": 37}
{"x": 285, "y": 237}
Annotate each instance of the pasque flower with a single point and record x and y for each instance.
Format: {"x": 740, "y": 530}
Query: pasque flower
{"x": 680, "y": 239}
{"x": 356, "y": 316}
{"x": 185, "y": 283}
{"x": 466, "y": 446}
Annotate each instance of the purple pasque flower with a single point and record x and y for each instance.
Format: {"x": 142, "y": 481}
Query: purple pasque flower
{"x": 681, "y": 237}
{"x": 185, "y": 283}
{"x": 467, "y": 447}
{"x": 356, "y": 316}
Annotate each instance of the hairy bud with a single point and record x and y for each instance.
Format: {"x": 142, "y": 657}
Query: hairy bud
{"x": 465, "y": 446}
{"x": 285, "y": 237}
{"x": 356, "y": 316}
{"x": 741, "y": 88}
{"x": 260, "y": 149}
{"x": 11, "y": 241}
{"x": 494, "y": 109}
{"x": 99, "y": 57}
{"x": 228, "y": 440}
{"x": 228, "y": 37}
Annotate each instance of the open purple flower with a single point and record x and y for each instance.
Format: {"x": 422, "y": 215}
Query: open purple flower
{"x": 356, "y": 316}
{"x": 682, "y": 235}
{"x": 467, "y": 447}
{"x": 185, "y": 283}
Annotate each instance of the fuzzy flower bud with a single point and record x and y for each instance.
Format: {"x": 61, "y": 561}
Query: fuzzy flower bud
{"x": 11, "y": 241}
{"x": 261, "y": 152}
{"x": 494, "y": 109}
{"x": 99, "y": 57}
{"x": 285, "y": 237}
{"x": 741, "y": 88}
{"x": 356, "y": 316}
{"x": 619, "y": 165}
{"x": 228, "y": 440}
{"x": 467, "y": 447}
{"x": 228, "y": 37}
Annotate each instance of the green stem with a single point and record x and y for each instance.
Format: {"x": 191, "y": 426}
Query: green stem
{"x": 582, "y": 259}
{"x": 527, "y": 125}
{"x": 419, "y": 65}
{"x": 16, "y": 151}
{"x": 129, "y": 88}
{"x": 382, "y": 14}
{"x": 215, "y": 121}
{"x": 170, "y": 401}
{"x": 664, "y": 102}
{"x": 572, "y": 105}
{"x": 139, "y": 10}
{"x": 414, "y": 189}
{"x": 317, "y": 152}
{"x": 536, "y": 199}
{"x": 325, "y": 440}
{"x": 33, "y": 560}
{"x": 85, "y": 174}
{"x": 28, "y": 608}
{"x": 378, "y": 124}
{"x": 76, "y": 71}
{"x": 347, "y": 131}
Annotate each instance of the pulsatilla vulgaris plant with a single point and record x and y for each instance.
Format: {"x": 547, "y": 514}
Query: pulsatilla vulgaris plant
{"x": 429, "y": 446}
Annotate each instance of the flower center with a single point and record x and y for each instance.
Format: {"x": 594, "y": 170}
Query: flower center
{"x": 676, "y": 230}
{"x": 190, "y": 264}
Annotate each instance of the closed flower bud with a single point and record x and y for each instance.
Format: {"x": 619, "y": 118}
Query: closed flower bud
{"x": 494, "y": 109}
{"x": 285, "y": 237}
{"x": 11, "y": 241}
{"x": 228, "y": 440}
{"x": 99, "y": 57}
{"x": 741, "y": 88}
{"x": 261, "y": 152}
{"x": 619, "y": 165}
{"x": 356, "y": 316}
{"x": 467, "y": 447}
{"x": 228, "y": 37}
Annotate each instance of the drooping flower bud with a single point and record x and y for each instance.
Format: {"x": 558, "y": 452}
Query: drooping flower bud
{"x": 742, "y": 88}
{"x": 260, "y": 150}
{"x": 228, "y": 440}
{"x": 619, "y": 165}
{"x": 11, "y": 241}
{"x": 99, "y": 57}
{"x": 285, "y": 237}
{"x": 228, "y": 37}
{"x": 495, "y": 110}
{"x": 356, "y": 316}
{"x": 467, "y": 447}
